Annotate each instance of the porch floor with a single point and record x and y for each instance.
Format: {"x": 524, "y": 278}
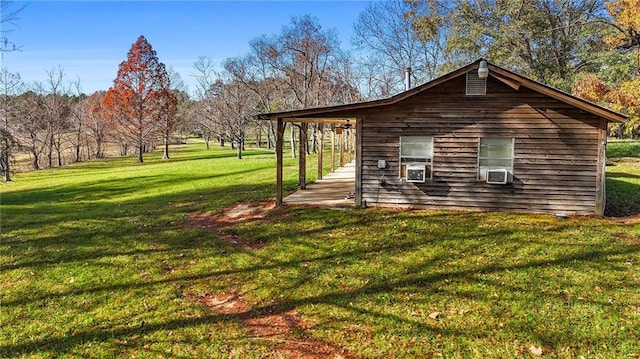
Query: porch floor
{"x": 330, "y": 191}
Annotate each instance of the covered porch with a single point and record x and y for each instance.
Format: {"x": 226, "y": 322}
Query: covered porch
{"x": 335, "y": 190}
{"x": 340, "y": 188}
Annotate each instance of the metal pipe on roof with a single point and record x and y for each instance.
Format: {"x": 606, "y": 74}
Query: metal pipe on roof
{"x": 407, "y": 78}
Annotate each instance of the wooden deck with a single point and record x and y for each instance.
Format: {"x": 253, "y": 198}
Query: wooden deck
{"x": 330, "y": 191}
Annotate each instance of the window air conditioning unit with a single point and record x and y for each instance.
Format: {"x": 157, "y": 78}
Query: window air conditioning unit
{"x": 497, "y": 176}
{"x": 416, "y": 173}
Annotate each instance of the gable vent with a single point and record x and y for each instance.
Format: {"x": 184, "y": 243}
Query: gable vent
{"x": 476, "y": 86}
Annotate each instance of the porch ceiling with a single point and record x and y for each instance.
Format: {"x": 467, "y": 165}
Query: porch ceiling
{"x": 327, "y": 120}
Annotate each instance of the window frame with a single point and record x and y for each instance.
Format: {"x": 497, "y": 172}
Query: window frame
{"x": 427, "y": 159}
{"x": 482, "y": 169}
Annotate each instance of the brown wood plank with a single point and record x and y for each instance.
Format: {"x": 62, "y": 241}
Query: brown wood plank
{"x": 279, "y": 162}
{"x": 359, "y": 161}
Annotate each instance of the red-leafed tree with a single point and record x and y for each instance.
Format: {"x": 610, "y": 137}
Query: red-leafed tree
{"x": 137, "y": 101}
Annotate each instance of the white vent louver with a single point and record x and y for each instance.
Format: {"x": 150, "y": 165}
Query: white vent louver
{"x": 476, "y": 86}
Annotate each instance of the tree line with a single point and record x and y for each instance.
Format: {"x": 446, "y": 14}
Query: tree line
{"x": 590, "y": 48}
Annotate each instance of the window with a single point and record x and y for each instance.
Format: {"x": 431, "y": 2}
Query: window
{"x": 416, "y": 153}
{"x": 476, "y": 86}
{"x": 495, "y": 154}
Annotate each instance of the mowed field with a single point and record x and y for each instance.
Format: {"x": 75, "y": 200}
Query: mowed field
{"x": 186, "y": 258}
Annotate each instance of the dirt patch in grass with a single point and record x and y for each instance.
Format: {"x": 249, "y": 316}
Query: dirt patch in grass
{"x": 631, "y": 220}
{"x": 245, "y": 211}
{"x": 241, "y": 212}
{"x": 285, "y": 330}
{"x": 627, "y": 238}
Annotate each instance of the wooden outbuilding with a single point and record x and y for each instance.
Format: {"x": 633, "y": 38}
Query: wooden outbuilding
{"x": 479, "y": 140}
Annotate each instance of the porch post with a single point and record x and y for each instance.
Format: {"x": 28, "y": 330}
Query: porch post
{"x": 279, "y": 149}
{"x": 302, "y": 164}
{"x": 354, "y": 143}
{"x": 333, "y": 150}
{"x": 601, "y": 180}
{"x": 341, "y": 143}
{"x": 358, "y": 154}
{"x": 320, "y": 134}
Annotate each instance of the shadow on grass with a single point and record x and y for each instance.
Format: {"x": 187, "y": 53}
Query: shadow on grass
{"x": 112, "y": 189}
{"x": 429, "y": 283}
{"x": 623, "y": 196}
{"x": 614, "y": 175}
{"x": 350, "y": 261}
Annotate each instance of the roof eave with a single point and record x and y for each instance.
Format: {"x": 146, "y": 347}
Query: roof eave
{"x": 559, "y": 95}
{"x": 510, "y": 78}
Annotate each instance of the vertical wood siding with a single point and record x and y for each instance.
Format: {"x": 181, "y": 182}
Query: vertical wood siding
{"x": 556, "y": 150}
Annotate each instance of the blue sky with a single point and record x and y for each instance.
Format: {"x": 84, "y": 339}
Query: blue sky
{"x": 89, "y": 39}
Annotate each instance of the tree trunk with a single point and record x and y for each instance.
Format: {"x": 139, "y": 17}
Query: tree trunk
{"x": 36, "y": 162}
{"x": 5, "y": 165}
{"x": 59, "y": 154}
{"x": 99, "y": 150}
{"x": 50, "y": 153}
{"x": 207, "y": 139}
{"x": 271, "y": 135}
{"x": 6, "y": 158}
{"x": 239, "y": 151}
{"x": 304, "y": 138}
{"x": 140, "y": 150}
{"x": 165, "y": 154}
{"x": 88, "y": 149}
{"x": 77, "y": 151}
{"x": 293, "y": 142}
{"x": 314, "y": 143}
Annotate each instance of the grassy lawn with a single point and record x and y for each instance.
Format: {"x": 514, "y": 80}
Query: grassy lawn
{"x": 99, "y": 260}
{"x": 623, "y": 148}
{"x": 623, "y": 178}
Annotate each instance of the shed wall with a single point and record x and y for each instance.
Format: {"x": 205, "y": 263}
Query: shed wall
{"x": 555, "y": 147}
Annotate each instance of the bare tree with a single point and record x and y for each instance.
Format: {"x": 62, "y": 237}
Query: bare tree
{"x": 167, "y": 109}
{"x": 184, "y": 122}
{"x": 8, "y": 17}
{"x": 234, "y": 109}
{"x": 301, "y": 67}
{"x": 207, "y": 86}
{"x": 78, "y": 110}
{"x": 56, "y": 112}
{"x": 388, "y": 41}
{"x": 255, "y": 74}
{"x": 227, "y": 105}
{"x": 11, "y": 85}
{"x": 32, "y": 125}
{"x": 297, "y": 68}
{"x": 96, "y": 122}
{"x": 305, "y": 54}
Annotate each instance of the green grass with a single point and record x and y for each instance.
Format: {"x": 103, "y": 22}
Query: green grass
{"x": 623, "y": 178}
{"x": 623, "y": 148}
{"x": 98, "y": 260}
{"x": 623, "y": 188}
